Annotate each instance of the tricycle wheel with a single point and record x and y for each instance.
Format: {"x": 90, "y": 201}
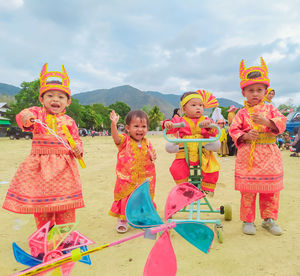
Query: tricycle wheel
{"x": 227, "y": 212}
{"x": 219, "y": 232}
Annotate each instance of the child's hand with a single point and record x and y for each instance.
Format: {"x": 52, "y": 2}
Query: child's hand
{"x": 114, "y": 117}
{"x": 152, "y": 155}
{"x": 27, "y": 119}
{"x": 205, "y": 123}
{"x": 168, "y": 125}
{"x": 77, "y": 151}
{"x": 259, "y": 119}
{"x": 251, "y": 135}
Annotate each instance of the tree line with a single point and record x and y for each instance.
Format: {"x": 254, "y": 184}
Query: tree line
{"x": 95, "y": 116}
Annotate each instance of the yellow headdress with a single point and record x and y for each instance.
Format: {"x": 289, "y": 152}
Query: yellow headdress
{"x": 254, "y": 74}
{"x": 44, "y": 75}
{"x": 206, "y": 97}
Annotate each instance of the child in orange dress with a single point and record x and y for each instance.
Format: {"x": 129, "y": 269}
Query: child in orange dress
{"x": 134, "y": 162}
{"x": 258, "y": 166}
{"x": 47, "y": 184}
{"x": 192, "y": 104}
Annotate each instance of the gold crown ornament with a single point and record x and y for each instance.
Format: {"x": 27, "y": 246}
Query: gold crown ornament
{"x": 254, "y": 74}
{"x": 44, "y": 86}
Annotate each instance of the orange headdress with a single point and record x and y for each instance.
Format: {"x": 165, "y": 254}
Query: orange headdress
{"x": 44, "y": 86}
{"x": 254, "y": 74}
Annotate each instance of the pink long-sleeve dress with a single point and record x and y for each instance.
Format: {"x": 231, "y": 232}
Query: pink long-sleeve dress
{"x": 265, "y": 175}
{"x": 48, "y": 180}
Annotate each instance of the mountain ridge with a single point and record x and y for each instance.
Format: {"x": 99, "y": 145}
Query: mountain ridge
{"x": 128, "y": 94}
{"x": 125, "y": 93}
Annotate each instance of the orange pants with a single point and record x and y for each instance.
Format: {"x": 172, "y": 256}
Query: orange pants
{"x": 268, "y": 204}
{"x": 62, "y": 217}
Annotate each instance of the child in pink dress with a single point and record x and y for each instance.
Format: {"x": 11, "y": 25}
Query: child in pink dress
{"x": 258, "y": 166}
{"x": 192, "y": 104}
{"x": 134, "y": 162}
{"x": 47, "y": 183}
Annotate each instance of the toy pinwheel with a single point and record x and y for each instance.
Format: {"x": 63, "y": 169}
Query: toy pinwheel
{"x": 47, "y": 244}
{"x": 140, "y": 213}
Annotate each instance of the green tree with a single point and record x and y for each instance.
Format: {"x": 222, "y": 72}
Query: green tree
{"x": 28, "y": 96}
{"x": 74, "y": 110}
{"x": 120, "y": 108}
{"x": 104, "y": 112}
{"x": 90, "y": 119}
{"x": 155, "y": 116}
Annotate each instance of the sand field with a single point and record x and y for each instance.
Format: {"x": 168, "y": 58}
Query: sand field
{"x": 239, "y": 254}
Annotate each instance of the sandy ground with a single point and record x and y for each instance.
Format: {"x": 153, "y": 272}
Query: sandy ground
{"x": 262, "y": 254}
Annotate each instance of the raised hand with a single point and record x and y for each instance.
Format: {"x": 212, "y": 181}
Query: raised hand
{"x": 114, "y": 117}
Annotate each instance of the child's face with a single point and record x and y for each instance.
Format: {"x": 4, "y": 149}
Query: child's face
{"x": 254, "y": 93}
{"x": 221, "y": 125}
{"x": 193, "y": 108}
{"x": 271, "y": 95}
{"x": 55, "y": 101}
{"x": 137, "y": 128}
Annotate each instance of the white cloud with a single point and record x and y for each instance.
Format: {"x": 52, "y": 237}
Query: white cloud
{"x": 199, "y": 44}
{"x": 274, "y": 56}
{"x": 11, "y": 4}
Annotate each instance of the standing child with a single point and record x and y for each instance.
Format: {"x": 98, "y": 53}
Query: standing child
{"x": 223, "y": 151}
{"x": 258, "y": 166}
{"x": 192, "y": 104}
{"x": 134, "y": 162}
{"x": 47, "y": 183}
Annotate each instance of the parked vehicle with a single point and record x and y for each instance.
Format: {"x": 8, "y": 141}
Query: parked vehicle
{"x": 293, "y": 121}
{"x": 17, "y": 133}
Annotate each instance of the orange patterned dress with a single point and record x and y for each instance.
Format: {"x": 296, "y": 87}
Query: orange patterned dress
{"x": 134, "y": 166}
{"x": 265, "y": 175}
{"x": 48, "y": 179}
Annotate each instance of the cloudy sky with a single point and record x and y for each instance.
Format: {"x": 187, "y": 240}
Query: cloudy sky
{"x": 170, "y": 46}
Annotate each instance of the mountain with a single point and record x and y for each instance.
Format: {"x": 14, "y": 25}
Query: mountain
{"x": 133, "y": 97}
{"x": 175, "y": 99}
{"x": 7, "y": 89}
{"x": 137, "y": 99}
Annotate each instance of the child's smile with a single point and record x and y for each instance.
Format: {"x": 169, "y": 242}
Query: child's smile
{"x": 137, "y": 128}
{"x": 55, "y": 101}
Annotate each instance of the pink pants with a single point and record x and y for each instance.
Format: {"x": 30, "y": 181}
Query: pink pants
{"x": 268, "y": 204}
{"x": 62, "y": 217}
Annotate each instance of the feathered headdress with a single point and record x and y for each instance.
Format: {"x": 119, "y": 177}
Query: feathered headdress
{"x": 208, "y": 99}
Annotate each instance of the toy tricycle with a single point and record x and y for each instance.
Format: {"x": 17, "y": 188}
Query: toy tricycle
{"x": 195, "y": 178}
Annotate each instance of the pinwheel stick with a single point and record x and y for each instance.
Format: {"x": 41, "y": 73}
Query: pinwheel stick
{"x": 72, "y": 144}
{"x": 76, "y": 254}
